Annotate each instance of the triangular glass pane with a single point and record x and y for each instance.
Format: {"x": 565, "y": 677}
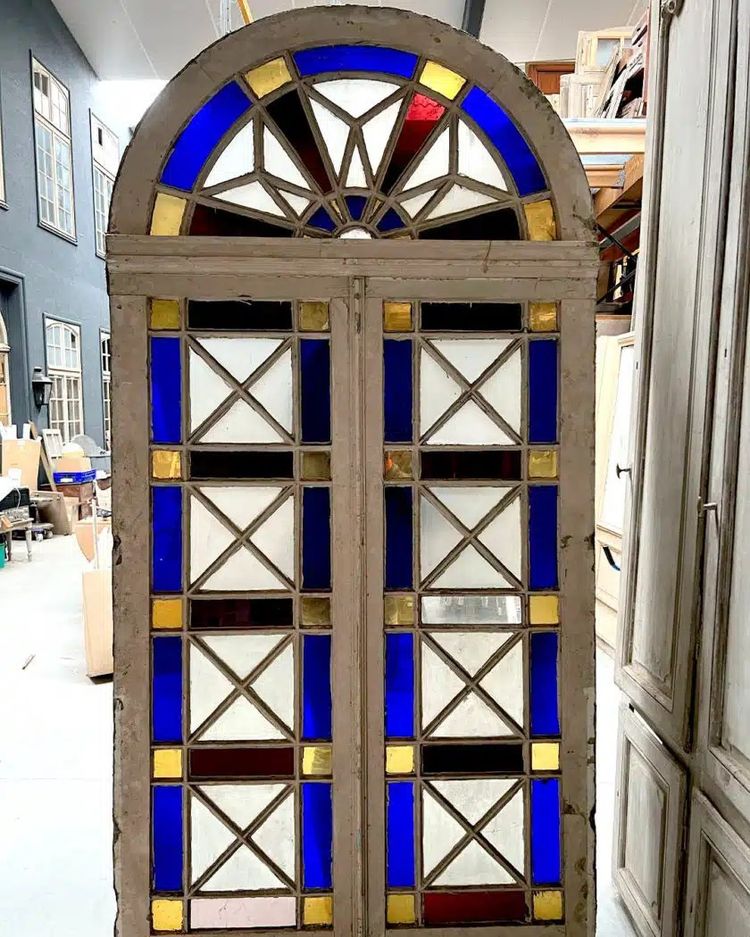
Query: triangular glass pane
{"x": 472, "y": 799}
{"x": 439, "y": 685}
{"x": 356, "y": 96}
{"x": 242, "y": 722}
{"x": 275, "y": 538}
{"x": 241, "y": 424}
{"x": 209, "y": 538}
{"x": 470, "y": 570}
{"x": 503, "y": 537}
{"x": 276, "y": 836}
{"x": 470, "y": 426}
{"x": 241, "y": 802}
{"x": 209, "y": 838}
{"x": 440, "y": 832}
{"x": 240, "y": 356}
{"x": 471, "y": 357}
{"x": 208, "y": 687}
{"x": 470, "y": 505}
{"x": 236, "y": 159}
{"x": 251, "y": 195}
{"x": 298, "y": 203}
{"x": 474, "y": 866}
{"x": 279, "y": 163}
{"x": 471, "y": 649}
{"x": 503, "y": 391}
{"x": 207, "y": 390}
{"x": 506, "y": 832}
{"x": 241, "y": 504}
{"x": 242, "y": 653}
{"x": 504, "y": 683}
{"x": 356, "y": 178}
{"x": 335, "y": 133}
{"x": 377, "y": 133}
{"x": 472, "y": 718}
{"x": 460, "y": 199}
{"x": 434, "y": 164}
{"x": 414, "y": 205}
{"x": 275, "y": 686}
{"x": 243, "y": 871}
{"x": 438, "y": 537}
{"x": 475, "y": 161}
{"x": 242, "y": 572}
{"x": 437, "y": 391}
{"x": 274, "y": 390}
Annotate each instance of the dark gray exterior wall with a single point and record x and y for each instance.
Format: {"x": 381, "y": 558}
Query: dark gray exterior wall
{"x": 41, "y": 273}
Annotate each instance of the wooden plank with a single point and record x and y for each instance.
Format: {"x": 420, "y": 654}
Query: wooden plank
{"x": 602, "y": 136}
{"x": 629, "y": 188}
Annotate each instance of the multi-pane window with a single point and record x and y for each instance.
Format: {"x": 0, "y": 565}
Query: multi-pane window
{"x": 105, "y": 154}
{"x": 64, "y": 367}
{"x": 54, "y": 161}
{"x": 106, "y": 353}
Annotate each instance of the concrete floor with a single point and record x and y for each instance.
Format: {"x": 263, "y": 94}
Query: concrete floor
{"x": 56, "y": 753}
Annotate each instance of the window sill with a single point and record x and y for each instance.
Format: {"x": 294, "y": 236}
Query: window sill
{"x": 70, "y": 238}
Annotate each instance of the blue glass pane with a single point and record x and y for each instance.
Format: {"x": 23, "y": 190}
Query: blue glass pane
{"x": 399, "y": 685}
{"x": 400, "y": 833}
{"x": 166, "y": 390}
{"x": 545, "y": 832}
{"x": 316, "y": 538}
{"x": 167, "y": 838}
{"x": 398, "y": 538}
{"x": 197, "y": 141}
{"x": 166, "y": 695}
{"x": 390, "y": 221}
{"x": 316, "y": 686}
{"x": 356, "y": 205}
{"x": 315, "y": 390}
{"x": 317, "y": 835}
{"x": 543, "y": 391}
{"x": 355, "y": 59}
{"x": 543, "y": 537}
{"x": 166, "y": 538}
{"x": 501, "y": 130}
{"x": 545, "y": 717}
{"x": 321, "y": 219}
{"x": 397, "y": 390}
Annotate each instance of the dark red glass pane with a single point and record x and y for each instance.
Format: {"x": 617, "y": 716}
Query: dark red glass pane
{"x": 474, "y": 907}
{"x": 241, "y": 463}
{"x": 218, "y": 763}
{"x": 489, "y": 758}
{"x": 215, "y": 221}
{"x": 492, "y": 225}
{"x": 472, "y": 317}
{"x": 242, "y": 314}
{"x": 291, "y": 119}
{"x": 421, "y": 118}
{"x": 479, "y": 464}
{"x": 214, "y": 614}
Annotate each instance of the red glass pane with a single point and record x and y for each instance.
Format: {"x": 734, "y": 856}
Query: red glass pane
{"x": 217, "y": 763}
{"x": 291, "y": 119}
{"x": 474, "y": 907}
{"x": 212, "y": 614}
{"x": 216, "y": 221}
{"x": 421, "y": 117}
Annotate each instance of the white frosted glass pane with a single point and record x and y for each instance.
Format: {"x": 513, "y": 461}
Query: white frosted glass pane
{"x": 240, "y": 356}
{"x": 237, "y": 158}
{"x": 356, "y": 96}
{"x": 377, "y": 132}
{"x": 242, "y": 572}
{"x": 472, "y": 799}
{"x": 207, "y": 390}
{"x": 434, "y": 164}
{"x": 241, "y": 802}
{"x": 275, "y": 686}
{"x": 355, "y": 178}
{"x": 474, "y": 160}
{"x": 209, "y": 837}
{"x": 473, "y": 356}
{"x": 474, "y": 866}
{"x": 438, "y": 537}
{"x": 471, "y": 610}
{"x": 335, "y": 133}
{"x": 275, "y": 538}
{"x": 470, "y": 427}
{"x": 278, "y": 162}
{"x": 252, "y": 195}
{"x": 241, "y": 424}
{"x": 356, "y": 234}
{"x": 231, "y": 913}
{"x": 414, "y": 205}
{"x": 504, "y": 683}
{"x": 460, "y": 199}
{"x": 243, "y": 871}
{"x": 471, "y": 719}
{"x": 470, "y": 505}
{"x": 208, "y": 538}
{"x": 470, "y": 649}
{"x": 208, "y": 687}
{"x": 440, "y": 832}
{"x": 274, "y": 390}
{"x": 470, "y": 571}
{"x": 503, "y": 537}
{"x": 242, "y": 652}
{"x": 242, "y": 722}
{"x": 506, "y": 832}
{"x": 503, "y": 391}
{"x": 276, "y": 837}
{"x": 241, "y": 504}
{"x": 298, "y": 203}
{"x": 439, "y": 685}
{"x": 437, "y": 391}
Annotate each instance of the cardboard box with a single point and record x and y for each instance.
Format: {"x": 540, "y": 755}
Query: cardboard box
{"x": 24, "y": 455}
{"x": 97, "y": 621}
{"x": 54, "y": 510}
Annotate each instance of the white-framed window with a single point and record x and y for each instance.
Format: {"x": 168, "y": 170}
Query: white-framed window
{"x": 105, "y": 156}
{"x": 54, "y": 156}
{"x": 106, "y": 356}
{"x": 64, "y": 368}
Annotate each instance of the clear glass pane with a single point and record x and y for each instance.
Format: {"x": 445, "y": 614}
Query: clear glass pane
{"x": 252, "y": 195}
{"x": 275, "y": 538}
{"x": 335, "y": 133}
{"x": 503, "y": 537}
{"x": 439, "y": 685}
{"x": 476, "y": 797}
{"x": 241, "y": 424}
{"x": 414, "y": 205}
{"x": 242, "y": 572}
{"x": 208, "y": 538}
{"x": 356, "y": 178}
{"x": 240, "y": 356}
{"x": 459, "y": 199}
{"x": 237, "y": 158}
{"x": 506, "y": 832}
{"x": 434, "y": 164}
{"x": 472, "y": 718}
{"x": 470, "y": 505}
{"x": 274, "y": 391}
{"x": 475, "y": 161}
{"x": 470, "y": 570}
{"x": 437, "y": 391}
{"x": 241, "y": 503}
{"x": 473, "y": 356}
{"x": 207, "y": 390}
{"x": 504, "y": 683}
{"x": 474, "y": 866}
{"x": 471, "y": 610}
{"x": 470, "y": 427}
{"x": 440, "y": 832}
{"x": 277, "y": 161}
{"x": 377, "y": 132}
{"x": 437, "y": 537}
{"x": 275, "y": 686}
{"x": 356, "y": 96}
{"x": 470, "y": 649}
{"x": 503, "y": 391}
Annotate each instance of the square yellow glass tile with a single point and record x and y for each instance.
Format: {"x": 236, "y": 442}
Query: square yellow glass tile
{"x": 316, "y": 466}
{"x": 543, "y": 317}
{"x": 548, "y": 906}
{"x": 166, "y": 463}
{"x": 399, "y": 609}
{"x": 441, "y": 79}
{"x": 168, "y": 763}
{"x": 167, "y": 914}
{"x": 268, "y": 77}
{"x": 397, "y": 317}
{"x": 399, "y": 759}
{"x": 315, "y": 612}
{"x": 401, "y": 909}
{"x": 540, "y": 218}
{"x": 397, "y": 464}
{"x": 545, "y": 756}
{"x": 544, "y": 610}
{"x": 316, "y": 760}
{"x": 318, "y": 910}
{"x": 543, "y": 463}
{"x": 166, "y": 614}
{"x": 314, "y": 317}
{"x": 166, "y": 219}
{"x": 165, "y": 314}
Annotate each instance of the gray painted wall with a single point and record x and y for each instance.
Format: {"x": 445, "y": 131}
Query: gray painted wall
{"x": 42, "y": 274}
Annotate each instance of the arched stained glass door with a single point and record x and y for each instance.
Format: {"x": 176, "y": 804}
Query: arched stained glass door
{"x": 353, "y": 491}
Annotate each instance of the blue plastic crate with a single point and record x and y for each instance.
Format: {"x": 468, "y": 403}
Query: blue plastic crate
{"x": 74, "y": 478}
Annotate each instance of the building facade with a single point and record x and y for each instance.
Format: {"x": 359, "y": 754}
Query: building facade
{"x": 59, "y": 152}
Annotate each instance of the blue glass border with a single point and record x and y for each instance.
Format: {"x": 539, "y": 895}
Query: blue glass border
{"x": 317, "y": 834}
{"x": 165, "y": 371}
{"x": 399, "y": 685}
{"x": 543, "y": 689}
{"x": 351, "y": 58}
{"x": 400, "y": 851}
{"x": 546, "y": 858}
{"x": 167, "y": 846}
{"x": 166, "y": 538}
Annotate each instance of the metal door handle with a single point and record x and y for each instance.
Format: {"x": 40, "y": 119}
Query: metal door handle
{"x": 622, "y": 471}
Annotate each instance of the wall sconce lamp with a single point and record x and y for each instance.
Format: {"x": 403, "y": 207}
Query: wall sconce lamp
{"x": 42, "y": 387}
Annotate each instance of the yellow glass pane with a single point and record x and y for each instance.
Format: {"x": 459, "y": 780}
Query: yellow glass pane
{"x": 545, "y": 756}
{"x": 166, "y": 914}
{"x": 267, "y": 78}
{"x": 441, "y": 79}
{"x": 401, "y": 909}
{"x": 544, "y": 610}
{"x": 397, "y": 317}
{"x": 543, "y": 463}
{"x": 315, "y": 612}
{"x": 313, "y": 317}
{"x": 316, "y": 466}
{"x": 168, "y": 763}
{"x": 540, "y": 217}
{"x": 167, "y": 216}
{"x": 398, "y": 464}
{"x": 165, "y": 314}
{"x": 316, "y": 760}
{"x": 318, "y": 910}
{"x": 166, "y": 463}
{"x": 399, "y": 759}
{"x": 543, "y": 317}
{"x": 166, "y": 614}
{"x": 399, "y": 609}
{"x": 548, "y": 906}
